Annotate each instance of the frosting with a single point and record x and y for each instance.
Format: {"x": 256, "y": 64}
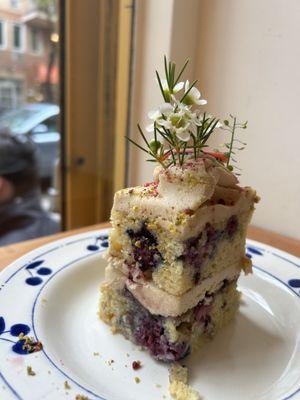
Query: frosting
{"x": 194, "y": 183}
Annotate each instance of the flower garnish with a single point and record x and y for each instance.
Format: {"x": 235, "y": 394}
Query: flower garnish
{"x": 180, "y": 129}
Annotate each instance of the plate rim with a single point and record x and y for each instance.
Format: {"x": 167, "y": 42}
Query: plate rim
{"x": 21, "y": 262}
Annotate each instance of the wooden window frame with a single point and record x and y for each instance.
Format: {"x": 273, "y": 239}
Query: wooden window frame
{"x": 96, "y": 72}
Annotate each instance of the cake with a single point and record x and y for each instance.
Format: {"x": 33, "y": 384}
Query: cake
{"x": 177, "y": 244}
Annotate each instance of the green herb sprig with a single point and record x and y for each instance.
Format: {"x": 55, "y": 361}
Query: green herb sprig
{"x": 232, "y": 125}
{"x": 179, "y": 129}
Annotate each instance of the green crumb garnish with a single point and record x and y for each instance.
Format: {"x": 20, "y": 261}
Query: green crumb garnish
{"x": 67, "y": 386}
{"x": 29, "y": 344}
{"x": 137, "y": 379}
{"x": 138, "y": 244}
{"x": 30, "y": 371}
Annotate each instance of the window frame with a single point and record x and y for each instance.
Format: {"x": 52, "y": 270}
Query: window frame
{"x": 39, "y": 42}
{"x": 3, "y": 46}
{"x": 94, "y": 164}
{"x": 22, "y": 27}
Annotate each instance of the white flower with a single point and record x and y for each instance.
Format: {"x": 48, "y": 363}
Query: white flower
{"x": 166, "y": 109}
{"x": 193, "y": 96}
{"x": 183, "y": 135}
{"x": 177, "y": 118}
{"x": 176, "y": 88}
{"x": 157, "y": 116}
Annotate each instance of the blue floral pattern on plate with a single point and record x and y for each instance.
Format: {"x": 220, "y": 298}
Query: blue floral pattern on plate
{"x": 41, "y": 268}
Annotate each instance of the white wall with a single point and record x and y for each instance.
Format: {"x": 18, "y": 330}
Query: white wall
{"x": 153, "y": 40}
{"x": 248, "y": 62}
{"x": 164, "y": 27}
{"x": 246, "y": 55}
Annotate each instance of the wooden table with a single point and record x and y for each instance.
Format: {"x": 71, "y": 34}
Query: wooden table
{"x": 10, "y": 253}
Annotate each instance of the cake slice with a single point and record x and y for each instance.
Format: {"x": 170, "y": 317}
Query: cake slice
{"x": 177, "y": 244}
{"x": 177, "y": 248}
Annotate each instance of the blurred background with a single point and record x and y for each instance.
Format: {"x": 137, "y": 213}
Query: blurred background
{"x": 76, "y": 77}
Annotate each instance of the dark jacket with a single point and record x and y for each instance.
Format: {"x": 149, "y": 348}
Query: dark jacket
{"x": 24, "y": 219}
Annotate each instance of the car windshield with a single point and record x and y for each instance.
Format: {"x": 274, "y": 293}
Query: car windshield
{"x": 14, "y": 119}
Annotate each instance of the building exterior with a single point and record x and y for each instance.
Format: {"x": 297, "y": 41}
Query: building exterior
{"x": 28, "y": 53}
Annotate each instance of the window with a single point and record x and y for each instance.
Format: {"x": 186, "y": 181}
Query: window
{"x": 18, "y": 37}
{"x": 3, "y": 42}
{"x": 35, "y": 41}
{"x": 8, "y": 95}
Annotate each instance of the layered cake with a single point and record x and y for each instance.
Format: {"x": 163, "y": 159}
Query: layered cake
{"x": 177, "y": 244}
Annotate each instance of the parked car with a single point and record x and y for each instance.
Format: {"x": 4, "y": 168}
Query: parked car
{"x": 39, "y": 121}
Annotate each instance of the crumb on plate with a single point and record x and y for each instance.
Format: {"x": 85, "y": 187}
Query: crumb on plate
{"x": 67, "y": 385}
{"x": 30, "y": 371}
{"x": 136, "y": 365}
{"x": 179, "y": 388}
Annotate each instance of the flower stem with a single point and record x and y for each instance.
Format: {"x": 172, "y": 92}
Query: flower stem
{"x": 231, "y": 141}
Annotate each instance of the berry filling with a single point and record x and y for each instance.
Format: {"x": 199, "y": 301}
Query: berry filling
{"x": 198, "y": 250}
{"x": 148, "y": 331}
{"x": 145, "y": 252}
{"x": 202, "y": 247}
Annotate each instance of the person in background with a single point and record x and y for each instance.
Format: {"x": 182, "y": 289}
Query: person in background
{"x": 21, "y": 214}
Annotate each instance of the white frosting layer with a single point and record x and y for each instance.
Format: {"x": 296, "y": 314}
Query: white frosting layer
{"x": 192, "y": 185}
{"x": 185, "y": 197}
{"x": 161, "y": 303}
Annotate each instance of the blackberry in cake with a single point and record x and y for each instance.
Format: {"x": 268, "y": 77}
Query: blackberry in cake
{"x": 177, "y": 244}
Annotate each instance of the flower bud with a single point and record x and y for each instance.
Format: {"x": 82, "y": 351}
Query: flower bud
{"x": 155, "y": 145}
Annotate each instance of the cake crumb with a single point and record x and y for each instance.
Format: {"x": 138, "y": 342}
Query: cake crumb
{"x": 67, "y": 385}
{"x": 113, "y": 330}
{"x": 179, "y": 388}
{"x": 109, "y": 362}
{"x": 81, "y": 397}
{"x": 96, "y": 353}
{"x": 30, "y": 371}
{"x": 181, "y": 391}
{"x": 137, "y": 379}
{"x": 158, "y": 386}
{"x": 247, "y": 265}
{"x": 178, "y": 372}
{"x": 136, "y": 365}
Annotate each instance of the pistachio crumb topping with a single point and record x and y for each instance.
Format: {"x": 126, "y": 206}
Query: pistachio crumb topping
{"x": 30, "y": 371}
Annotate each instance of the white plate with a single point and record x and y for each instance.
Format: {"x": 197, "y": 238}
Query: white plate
{"x": 256, "y": 357}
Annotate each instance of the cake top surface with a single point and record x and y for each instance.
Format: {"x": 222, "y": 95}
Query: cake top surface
{"x": 189, "y": 186}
